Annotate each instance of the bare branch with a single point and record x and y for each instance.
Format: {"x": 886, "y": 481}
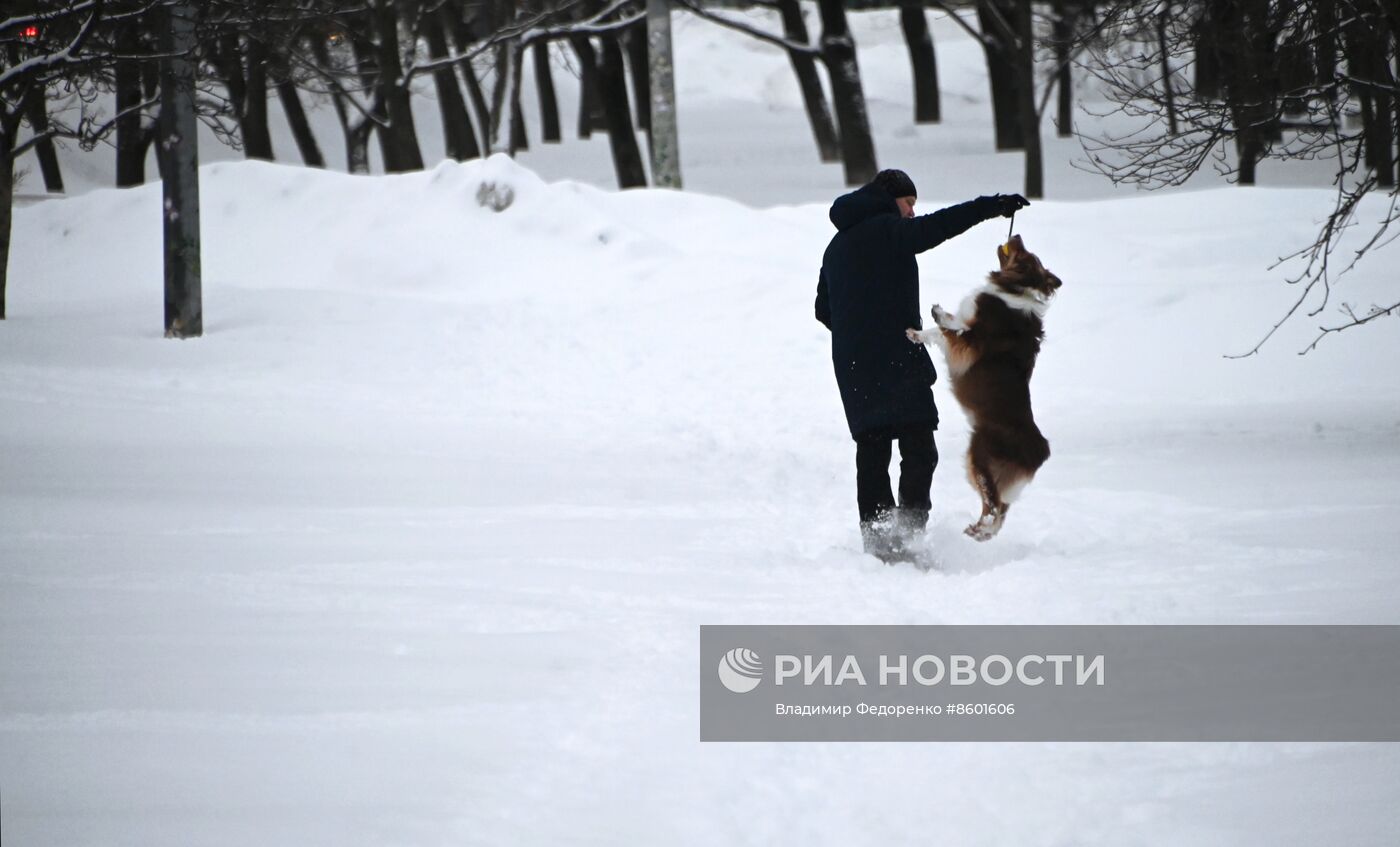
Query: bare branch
{"x": 749, "y": 30}
{"x": 1376, "y": 312}
{"x": 66, "y": 56}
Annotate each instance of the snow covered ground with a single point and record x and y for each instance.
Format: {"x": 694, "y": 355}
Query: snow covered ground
{"x": 413, "y": 546}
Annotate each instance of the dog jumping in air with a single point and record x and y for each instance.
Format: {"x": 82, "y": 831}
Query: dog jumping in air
{"x": 991, "y": 346}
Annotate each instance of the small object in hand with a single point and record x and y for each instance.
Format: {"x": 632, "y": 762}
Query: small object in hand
{"x": 1007, "y": 204}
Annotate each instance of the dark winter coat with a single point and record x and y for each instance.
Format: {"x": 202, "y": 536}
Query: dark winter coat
{"x": 868, "y": 295}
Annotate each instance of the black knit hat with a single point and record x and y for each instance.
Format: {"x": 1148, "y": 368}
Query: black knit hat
{"x": 896, "y": 183}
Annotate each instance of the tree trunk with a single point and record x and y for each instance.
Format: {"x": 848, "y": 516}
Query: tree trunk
{"x": 461, "y": 40}
{"x": 357, "y": 147}
{"x": 153, "y": 135}
{"x": 1385, "y": 143}
{"x": 257, "y": 139}
{"x": 519, "y": 140}
{"x": 1383, "y": 131}
{"x": 371, "y": 80}
{"x": 136, "y": 82}
{"x": 38, "y": 115}
{"x": 150, "y": 84}
{"x": 1250, "y": 151}
{"x": 922, "y": 61}
{"x": 228, "y": 59}
{"x": 612, "y": 79}
{"x": 459, "y": 135}
{"x": 1325, "y": 49}
{"x": 1001, "y": 60}
{"x": 7, "y": 202}
{"x": 1025, "y": 96}
{"x": 402, "y": 136}
{"x": 356, "y": 129}
{"x": 635, "y": 40}
{"x": 1295, "y": 73}
{"x": 184, "y": 311}
{"x": 839, "y": 56}
{"x": 301, "y": 128}
{"x": 1248, "y": 78}
{"x": 1368, "y": 120}
{"x": 1064, "y": 26}
{"x": 591, "y": 116}
{"x": 665, "y": 134}
{"x": 1207, "y": 49}
{"x": 1168, "y": 93}
{"x": 131, "y": 134}
{"x": 503, "y": 99}
{"x": 478, "y": 100}
{"x": 809, "y": 81}
{"x": 549, "y": 103}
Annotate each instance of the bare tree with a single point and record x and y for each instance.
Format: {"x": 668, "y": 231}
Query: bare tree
{"x": 459, "y": 135}
{"x": 634, "y": 44}
{"x": 590, "y": 102}
{"x": 506, "y": 30}
{"x": 627, "y": 157}
{"x": 1006, "y": 34}
{"x": 40, "y": 48}
{"x": 836, "y": 49}
{"x": 804, "y": 67}
{"x": 922, "y": 60}
{"x": 839, "y": 54}
{"x": 136, "y": 88}
{"x": 38, "y": 118}
{"x": 1272, "y": 80}
{"x": 1065, "y": 18}
{"x": 550, "y": 132}
{"x": 398, "y": 137}
{"x": 286, "y": 86}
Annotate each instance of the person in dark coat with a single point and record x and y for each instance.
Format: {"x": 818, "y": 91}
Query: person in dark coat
{"x": 867, "y": 295}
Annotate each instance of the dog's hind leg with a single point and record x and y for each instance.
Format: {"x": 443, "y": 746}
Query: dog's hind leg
{"x": 1009, "y": 479}
{"x": 980, "y": 472}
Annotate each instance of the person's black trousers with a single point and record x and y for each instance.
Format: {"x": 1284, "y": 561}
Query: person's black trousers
{"x": 917, "y": 458}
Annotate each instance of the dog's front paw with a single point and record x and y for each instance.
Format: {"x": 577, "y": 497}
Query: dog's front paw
{"x": 941, "y": 318}
{"x": 915, "y": 336}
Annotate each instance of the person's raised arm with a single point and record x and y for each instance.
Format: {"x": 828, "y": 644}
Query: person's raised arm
{"x": 925, "y": 232}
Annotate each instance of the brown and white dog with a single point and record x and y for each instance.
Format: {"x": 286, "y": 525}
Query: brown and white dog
{"x": 991, "y": 347}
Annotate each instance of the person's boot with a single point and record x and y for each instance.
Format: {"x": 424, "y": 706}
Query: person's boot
{"x": 910, "y": 524}
{"x": 883, "y": 540}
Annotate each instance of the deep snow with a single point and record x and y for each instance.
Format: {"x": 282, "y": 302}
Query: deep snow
{"x": 413, "y": 546}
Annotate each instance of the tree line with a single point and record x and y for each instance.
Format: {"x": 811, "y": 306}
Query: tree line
{"x": 1223, "y": 83}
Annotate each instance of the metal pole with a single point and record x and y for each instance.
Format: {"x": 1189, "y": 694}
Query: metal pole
{"x": 665, "y": 137}
{"x": 179, "y": 146}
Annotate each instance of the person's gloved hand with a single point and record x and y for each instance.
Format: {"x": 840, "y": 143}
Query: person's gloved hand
{"x": 1007, "y": 204}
